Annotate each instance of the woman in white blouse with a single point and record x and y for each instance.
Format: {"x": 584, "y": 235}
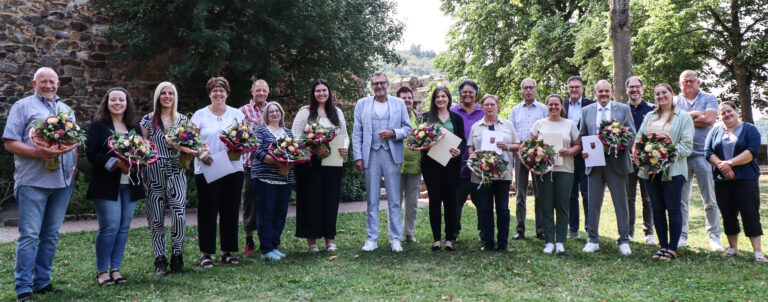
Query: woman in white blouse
{"x": 219, "y": 198}
{"x": 318, "y": 187}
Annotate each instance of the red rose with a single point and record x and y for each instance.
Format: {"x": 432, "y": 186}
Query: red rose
{"x": 183, "y": 135}
{"x": 59, "y": 132}
{"x": 431, "y": 135}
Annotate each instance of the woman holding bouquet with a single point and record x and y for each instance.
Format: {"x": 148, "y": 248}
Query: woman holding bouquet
{"x": 732, "y": 149}
{"x": 221, "y": 197}
{"x": 114, "y": 195}
{"x": 555, "y": 186}
{"x": 273, "y": 187}
{"x": 318, "y": 187}
{"x": 665, "y": 189}
{"x": 165, "y": 180}
{"x": 497, "y": 192}
{"x": 441, "y": 180}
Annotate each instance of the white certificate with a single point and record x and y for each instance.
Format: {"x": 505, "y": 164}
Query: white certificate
{"x": 594, "y": 147}
{"x": 335, "y": 159}
{"x": 556, "y": 141}
{"x": 220, "y": 167}
{"x": 489, "y": 141}
{"x": 441, "y": 152}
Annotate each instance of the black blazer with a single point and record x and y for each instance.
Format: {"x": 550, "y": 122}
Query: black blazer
{"x": 105, "y": 184}
{"x": 584, "y": 103}
{"x": 458, "y": 130}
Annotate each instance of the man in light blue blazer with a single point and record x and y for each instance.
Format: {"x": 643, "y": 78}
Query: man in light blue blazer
{"x": 615, "y": 171}
{"x": 381, "y": 124}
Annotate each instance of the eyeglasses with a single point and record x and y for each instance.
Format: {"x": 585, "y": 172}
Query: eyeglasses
{"x": 219, "y": 90}
{"x": 382, "y": 83}
{"x": 689, "y": 81}
{"x": 635, "y": 87}
{"x": 574, "y": 87}
{"x": 274, "y": 111}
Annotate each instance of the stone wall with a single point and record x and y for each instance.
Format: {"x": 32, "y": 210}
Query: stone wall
{"x": 66, "y": 36}
{"x": 420, "y": 87}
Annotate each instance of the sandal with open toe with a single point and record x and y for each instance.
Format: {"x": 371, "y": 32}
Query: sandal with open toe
{"x": 760, "y": 257}
{"x": 449, "y": 246}
{"x": 657, "y": 255}
{"x": 668, "y": 255}
{"x": 119, "y": 279}
{"x": 206, "y": 261}
{"x": 229, "y": 259}
{"x": 730, "y": 253}
{"x": 104, "y": 282}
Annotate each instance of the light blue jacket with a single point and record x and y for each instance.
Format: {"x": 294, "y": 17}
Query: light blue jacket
{"x": 362, "y": 136}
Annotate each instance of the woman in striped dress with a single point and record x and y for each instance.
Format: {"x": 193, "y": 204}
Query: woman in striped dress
{"x": 165, "y": 180}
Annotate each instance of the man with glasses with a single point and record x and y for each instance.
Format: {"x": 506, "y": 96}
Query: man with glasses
{"x": 573, "y": 106}
{"x": 523, "y": 116}
{"x": 703, "y": 109}
{"x": 381, "y": 124}
{"x": 639, "y": 109}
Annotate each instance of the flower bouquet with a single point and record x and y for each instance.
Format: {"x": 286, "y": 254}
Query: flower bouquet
{"x": 615, "y": 136}
{"x": 537, "y": 156}
{"x": 488, "y": 165}
{"x": 287, "y": 150}
{"x": 423, "y": 137}
{"x": 655, "y": 153}
{"x": 133, "y": 148}
{"x": 57, "y": 134}
{"x": 185, "y": 136}
{"x": 239, "y": 138}
{"x": 315, "y": 134}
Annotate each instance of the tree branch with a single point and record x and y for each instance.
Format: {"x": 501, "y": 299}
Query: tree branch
{"x": 717, "y": 19}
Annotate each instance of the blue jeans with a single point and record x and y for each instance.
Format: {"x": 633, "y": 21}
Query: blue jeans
{"x": 41, "y": 212}
{"x": 271, "y": 211}
{"x": 382, "y": 164}
{"x": 665, "y": 200}
{"x": 114, "y": 223}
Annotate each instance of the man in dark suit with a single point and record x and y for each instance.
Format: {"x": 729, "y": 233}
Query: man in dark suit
{"x": 615, "y": 171}
{"x": 573, "y": 106}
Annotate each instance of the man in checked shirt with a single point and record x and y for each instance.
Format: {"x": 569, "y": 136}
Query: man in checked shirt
{"x": 252, "y": 111}
{"x": 523, "y": 116}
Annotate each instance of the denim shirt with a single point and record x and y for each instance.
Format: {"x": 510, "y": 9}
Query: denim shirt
{"x": 32, "y": 171}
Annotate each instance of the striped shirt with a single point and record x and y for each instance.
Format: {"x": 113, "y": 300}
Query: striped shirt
{"x": 267, "y": 172}
{"x": 157, "y": 136}
{"x": 253, "y": 115}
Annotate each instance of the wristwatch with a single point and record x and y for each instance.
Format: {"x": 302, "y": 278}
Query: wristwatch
{"x": 730, "y": 162}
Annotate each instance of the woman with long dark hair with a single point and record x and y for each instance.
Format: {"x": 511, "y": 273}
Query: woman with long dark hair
{"x": 165, "y": 180}
{"x": 318, "y": 187}
{"x": 114, "y": 195}
{"x": 442, "y": 180}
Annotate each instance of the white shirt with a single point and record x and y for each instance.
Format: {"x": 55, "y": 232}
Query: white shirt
{"x": 380, "y": 108}
{"x": 599, "y": 114}
{"x": 211, "y": 126}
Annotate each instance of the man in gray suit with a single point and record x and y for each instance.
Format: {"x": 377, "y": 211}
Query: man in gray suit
{"x": 615, "y": 171}
{"x": 381, "y": 124}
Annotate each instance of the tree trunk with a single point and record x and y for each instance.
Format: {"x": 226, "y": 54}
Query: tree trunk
{"x": 621, "y": 40}
{"x": 744, "y": 84}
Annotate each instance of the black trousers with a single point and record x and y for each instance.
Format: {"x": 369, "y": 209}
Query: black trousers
{"x": 219, "y": 199}
{"x": 318, "y": 190}
{"x": 441, "y": 185}
{"x": 495, "y": 194}
{"x": 739, "y": 196}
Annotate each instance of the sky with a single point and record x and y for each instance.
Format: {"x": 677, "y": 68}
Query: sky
{"x": 425, "y": 24}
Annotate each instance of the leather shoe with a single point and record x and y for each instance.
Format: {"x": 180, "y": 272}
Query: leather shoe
{"x": 161, "y": 266}
{"x": 47, "y": 289}
{"x": 24, "y": 297}
{"x": 488, "y": 246}
{"x": 540, "y": 236}
{"x": 519, "y": 236}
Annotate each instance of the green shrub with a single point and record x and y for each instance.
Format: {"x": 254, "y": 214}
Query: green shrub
{"x": 353, "y": 181}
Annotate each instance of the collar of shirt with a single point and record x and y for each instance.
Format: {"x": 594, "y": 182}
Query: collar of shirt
{"x": 461, "y": 108}
{"x": 499, "y": 121}
{"x": 607, "y": 106}
{"x": 534, "y": 104}
{"x": 687, "y": 101}
{"x": 578, "y": 103}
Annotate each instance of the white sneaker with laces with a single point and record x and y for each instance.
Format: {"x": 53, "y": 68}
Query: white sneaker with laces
{"x": 559, "y": 248}
{"x": 624, "y": 249}
{"x": 396, "y": 246}
{"x": 370, "y": 246}
{"x": 715, "y": 244}
{"x": 590, "y": 247}
{"x": 682, "y": 243}
{"x": 549, "y": 248}
{"x": 650, "y": 240}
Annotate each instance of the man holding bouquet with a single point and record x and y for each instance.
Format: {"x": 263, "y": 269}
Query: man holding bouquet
{"x": 42, "y": 193}
{"x": 614, "y": 173}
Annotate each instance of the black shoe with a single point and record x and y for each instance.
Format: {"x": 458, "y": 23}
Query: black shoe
{"x": 161, "y": 266}
{"x": 540, "y": 236}
{"x": 47, "y": 289}
{"x": 177, "y": 262}
{"x": 519, "y": 236}
{"x": 488, "y": 246}
{"x": 501, "y": 248}
{"x": 24, "y": 297}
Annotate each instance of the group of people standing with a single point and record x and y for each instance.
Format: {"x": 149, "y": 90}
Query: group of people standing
{"x": 722, "y": 159}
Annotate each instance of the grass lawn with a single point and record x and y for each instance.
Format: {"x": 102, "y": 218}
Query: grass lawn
{"x": 522, "y": 273}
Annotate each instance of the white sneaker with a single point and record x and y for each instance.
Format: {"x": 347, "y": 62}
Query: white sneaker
{"x": 624, "y": 249}
{"x": 715, "y": 245}
{"x": 559, "y": 248}
{"x": 682, "y": 243}
{"x": 590, "y": 247}
{"x": 631, "y": 238}
{"x": 650, "y": 240}
{"x": 396, "y": 247}
{"x": 370, "y": 246}
{"x": 549, "y": 248}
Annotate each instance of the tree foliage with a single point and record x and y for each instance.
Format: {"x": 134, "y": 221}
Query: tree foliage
{"x": 416, "y": 62}
{"x": 288, "y": 43}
